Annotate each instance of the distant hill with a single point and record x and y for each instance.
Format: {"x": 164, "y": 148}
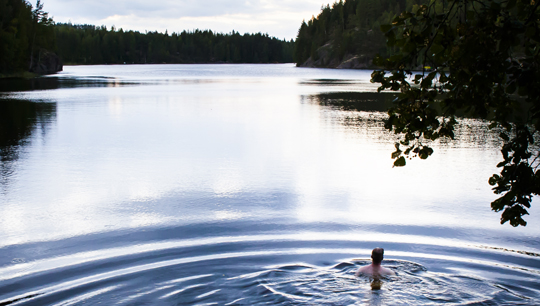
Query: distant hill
{"x": 347, "y": 34}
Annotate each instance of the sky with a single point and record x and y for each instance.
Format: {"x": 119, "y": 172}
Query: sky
{"x": 278, "y": 18}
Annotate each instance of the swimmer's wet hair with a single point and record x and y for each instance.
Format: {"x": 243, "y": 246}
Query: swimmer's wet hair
{"x": 377, "y": 255}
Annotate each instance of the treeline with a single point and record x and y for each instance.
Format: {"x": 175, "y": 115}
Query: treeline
{"x": 88, "y": 44}
{"x": 347, "y": 28}
{"x": 26, "y": 36}
{"x": 29, "y": 40}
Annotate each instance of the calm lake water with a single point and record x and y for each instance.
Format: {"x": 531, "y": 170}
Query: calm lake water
{"x": 242, "y": 185}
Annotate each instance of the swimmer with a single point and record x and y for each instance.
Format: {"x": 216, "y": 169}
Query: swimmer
{"x": 375, "y": 268}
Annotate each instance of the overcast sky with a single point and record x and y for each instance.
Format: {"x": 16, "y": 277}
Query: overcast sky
{"x": 279, "y": 18}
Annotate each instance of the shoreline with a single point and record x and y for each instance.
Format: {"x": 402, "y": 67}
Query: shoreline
{"x": 32, "y": 75}
{"x": 19, "y": 75}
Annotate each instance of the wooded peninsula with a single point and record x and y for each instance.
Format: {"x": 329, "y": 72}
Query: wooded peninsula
{"x": 347, "y": 34}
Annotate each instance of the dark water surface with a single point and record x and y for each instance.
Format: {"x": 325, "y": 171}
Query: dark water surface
{"x": 242, "y": 185}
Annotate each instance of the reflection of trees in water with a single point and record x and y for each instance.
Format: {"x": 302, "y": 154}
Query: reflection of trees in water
{"x": 360, "y": 112}
{"x": 355, "y": 101}
{"x": 10, "y": 85}
{"x": 45, "y": 83}
{"x": 366, "y": 111}
{"x": 18, "y": 120}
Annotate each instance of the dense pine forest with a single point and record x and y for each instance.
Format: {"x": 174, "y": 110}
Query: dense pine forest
{"x": 31, "y": 41}
{"x": 347, "y": 34}
{"x": 88, "y": 44}
{"x": 26, "y": 37}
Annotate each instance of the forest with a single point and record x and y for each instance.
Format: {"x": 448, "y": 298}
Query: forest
{"x": 31, "y": 41}
{"x": 89, "y": 44}
{"x": 345, "y": 34}
{"x": 348, "y": 30}
{"x": 26, "y": 37}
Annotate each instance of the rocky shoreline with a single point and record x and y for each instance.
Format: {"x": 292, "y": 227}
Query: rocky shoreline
{"x": 324, "y": 59}
{"x": 47, "y": 63}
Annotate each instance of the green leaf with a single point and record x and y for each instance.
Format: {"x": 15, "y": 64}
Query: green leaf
{"x": 531, "y": 30}
{"x": 386, "y": 27}
{"x": 400, "y": 162}
{"x": 409, "y": 47}
{"x": 497, "y": 205}
{"x": 443, "y": 78}
{"x": 436, "y": 49}
{"x": 522, "y": 90}
{"x": 425, "y": 152}
{"x": 482, "y": 58}
{"x": 511, "y": 88}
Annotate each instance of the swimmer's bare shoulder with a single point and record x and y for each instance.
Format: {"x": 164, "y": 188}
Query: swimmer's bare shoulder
{"x": 385, "y": 271}
{"x": 366, "y": 270}
{"x": 371, "y": 270}
{"x": 375, "y": 267}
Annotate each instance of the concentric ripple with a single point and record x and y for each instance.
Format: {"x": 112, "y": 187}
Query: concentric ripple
{"x": 272, "y": 269}
{"x": 243, "y": 185}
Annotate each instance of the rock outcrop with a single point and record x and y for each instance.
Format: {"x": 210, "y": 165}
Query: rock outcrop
{"x": 47, "y": 63}
{"x": 324, "y": 58}
{"x": 355, "y": 62}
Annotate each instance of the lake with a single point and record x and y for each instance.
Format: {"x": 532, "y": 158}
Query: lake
{"x": 243, "y": 185}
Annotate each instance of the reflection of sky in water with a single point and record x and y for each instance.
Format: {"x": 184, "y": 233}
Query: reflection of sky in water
{"x": 236, "y": 147}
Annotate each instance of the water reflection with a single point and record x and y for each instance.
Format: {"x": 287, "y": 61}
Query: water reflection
{"x": 358, "y": 101}
{"x": 223, "y": 267}
{"x": 232, "y": 185}
{"x": 59, "y": 82}
{"x": 367, "y": 111}
{"x": 376, "y": 283}
{"x": 19, "y": 120}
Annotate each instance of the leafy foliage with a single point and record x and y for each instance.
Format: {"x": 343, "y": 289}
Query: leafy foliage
{"x": 469, "y": 57}
{"x": 88, "y": 44}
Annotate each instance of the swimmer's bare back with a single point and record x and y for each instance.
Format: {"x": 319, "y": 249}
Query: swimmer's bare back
{"x": 374, "y": 270}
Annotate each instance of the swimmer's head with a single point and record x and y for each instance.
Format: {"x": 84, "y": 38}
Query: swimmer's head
{"x": 377, "y": 255}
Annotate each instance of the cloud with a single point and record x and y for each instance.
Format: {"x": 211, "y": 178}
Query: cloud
{"x": 280, "y": 18}
{"x": 101, "y": 9}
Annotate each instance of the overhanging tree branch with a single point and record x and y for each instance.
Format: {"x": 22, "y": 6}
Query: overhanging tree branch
{"x": 485, "y": 69}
